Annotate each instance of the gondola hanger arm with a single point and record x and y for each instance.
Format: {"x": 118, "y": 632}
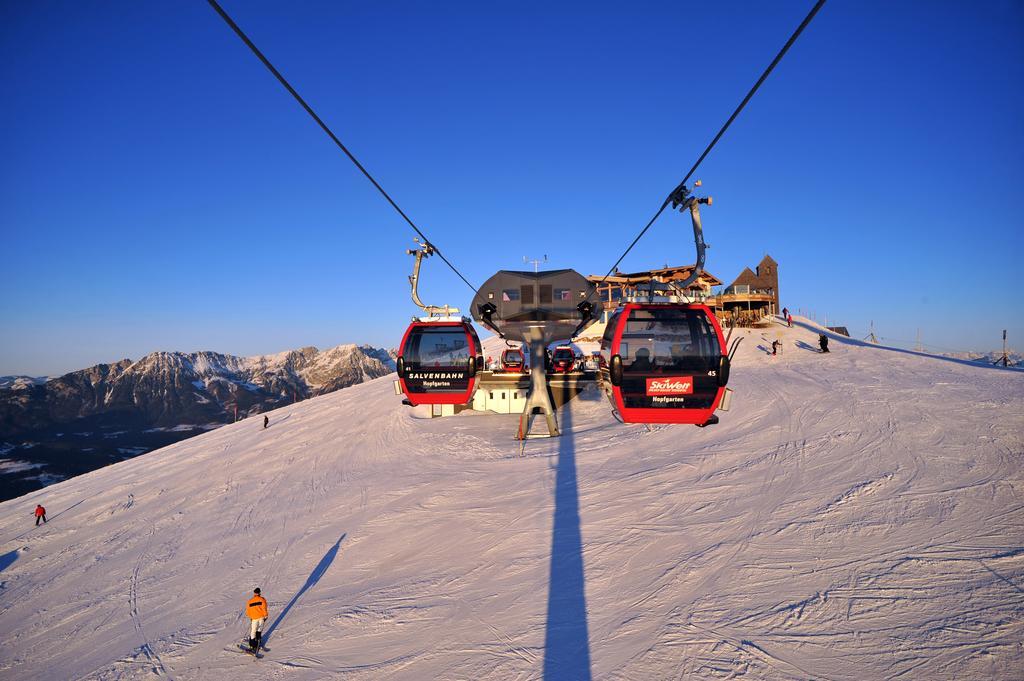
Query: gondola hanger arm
{"x": 425, "y": 250}
{"x": 682, "y": 199}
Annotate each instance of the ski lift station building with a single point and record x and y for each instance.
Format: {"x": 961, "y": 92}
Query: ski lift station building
{"x": 754, "y": 294}
{"x": 620, "y": 285}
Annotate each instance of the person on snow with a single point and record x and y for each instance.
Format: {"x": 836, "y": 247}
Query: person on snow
{"x": 775, "y": 347}
{"x": 40, "y": 513}
{"x": 256, "y": 610}
{"x": 266, "y": 422}
{"x": 823, "y": 342}
{"x": 785, "y": 313}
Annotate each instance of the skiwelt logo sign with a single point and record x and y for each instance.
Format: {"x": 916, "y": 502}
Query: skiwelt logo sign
{"x": 670, "y": 385}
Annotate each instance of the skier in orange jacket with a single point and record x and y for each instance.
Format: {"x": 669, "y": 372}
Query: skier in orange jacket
{"x": 256, "y": 609}
{"x": 40, "y": 513}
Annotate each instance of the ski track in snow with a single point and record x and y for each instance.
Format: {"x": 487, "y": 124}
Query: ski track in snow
{"x": 855, "y": 516}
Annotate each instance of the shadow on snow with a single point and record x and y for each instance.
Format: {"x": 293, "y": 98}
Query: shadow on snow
{"x": 807, "y": 346}
{"x": 7, "y": 559}
{"x": 311, "y": 581}
{"x": 33, "y": 528}
{"x": 566, "y": 639}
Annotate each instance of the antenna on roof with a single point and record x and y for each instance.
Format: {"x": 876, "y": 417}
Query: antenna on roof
{"x": 536, "y": 263}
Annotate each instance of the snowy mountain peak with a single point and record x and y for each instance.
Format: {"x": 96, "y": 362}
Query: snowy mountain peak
{"x": 86, "y": 419}
{"x": 162, "y": 386}
{"x": 20, "y": 382}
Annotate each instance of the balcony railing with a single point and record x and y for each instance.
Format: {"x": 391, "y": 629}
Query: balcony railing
{"x": 744, "y": 289}
{"x": 744, "y": 297}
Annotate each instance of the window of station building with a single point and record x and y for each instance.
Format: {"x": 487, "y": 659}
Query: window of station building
{"x": 545, "y": 294}
{"x": 526, "y": 292}
{"x": 562, "y": 294}
{"x": 510, "y": 295}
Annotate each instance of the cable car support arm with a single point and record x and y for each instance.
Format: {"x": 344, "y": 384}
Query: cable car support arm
{"x": 682, "y": 199}
{"x": 425, "y": 251}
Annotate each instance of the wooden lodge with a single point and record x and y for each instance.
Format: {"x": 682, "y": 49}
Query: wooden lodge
{"x": 621, "y": 285}
{"x": 748, "y": 300}
{"x": 753, "y": 295}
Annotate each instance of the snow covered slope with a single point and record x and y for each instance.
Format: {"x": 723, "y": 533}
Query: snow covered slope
{"x": 858, "y": 515}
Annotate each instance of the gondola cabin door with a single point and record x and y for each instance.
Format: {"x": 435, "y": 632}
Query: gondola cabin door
{"x": 664, "y": 363}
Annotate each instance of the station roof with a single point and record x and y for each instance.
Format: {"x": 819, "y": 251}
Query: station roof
{"x": 663, "y": 274}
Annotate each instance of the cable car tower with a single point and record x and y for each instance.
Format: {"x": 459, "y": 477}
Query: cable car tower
{"x": 536, "y": 308}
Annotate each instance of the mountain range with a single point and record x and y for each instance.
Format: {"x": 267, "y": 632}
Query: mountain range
{"x": 54, "y": 428}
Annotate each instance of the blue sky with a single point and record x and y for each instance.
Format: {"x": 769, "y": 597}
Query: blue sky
{"x": 159, "y": 190}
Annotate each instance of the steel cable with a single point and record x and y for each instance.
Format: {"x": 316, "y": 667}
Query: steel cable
{"x": 750, "y": 94}
{"x": 277, "y": 74}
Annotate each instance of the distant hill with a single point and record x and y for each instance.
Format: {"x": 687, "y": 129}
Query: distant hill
{"x": 20, "y": 381}
{"x": 988, "y": 357}
{"x": 60, "y": 427}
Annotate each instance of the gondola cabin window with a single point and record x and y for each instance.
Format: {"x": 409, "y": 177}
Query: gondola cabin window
{"x": 663, "y": 342}
{"x": 438, "y": 347}
{"x": 438, "y": 362}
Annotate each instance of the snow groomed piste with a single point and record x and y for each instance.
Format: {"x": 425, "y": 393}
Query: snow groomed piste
{"x": 862, "y": 521}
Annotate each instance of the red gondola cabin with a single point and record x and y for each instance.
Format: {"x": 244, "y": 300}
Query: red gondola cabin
{"x": 664, "y": 363}
{"x": 438, "y": 362}
{"x": 512, "y": 361}
{"x": 563, "y": 359}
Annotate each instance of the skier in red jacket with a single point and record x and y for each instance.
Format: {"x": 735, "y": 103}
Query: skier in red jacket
{"x": 40, "y": 513}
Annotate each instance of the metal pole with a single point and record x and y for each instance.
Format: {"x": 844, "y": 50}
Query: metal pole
{"x": 536, "y": 263}
{"x": 538, "y": 398}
